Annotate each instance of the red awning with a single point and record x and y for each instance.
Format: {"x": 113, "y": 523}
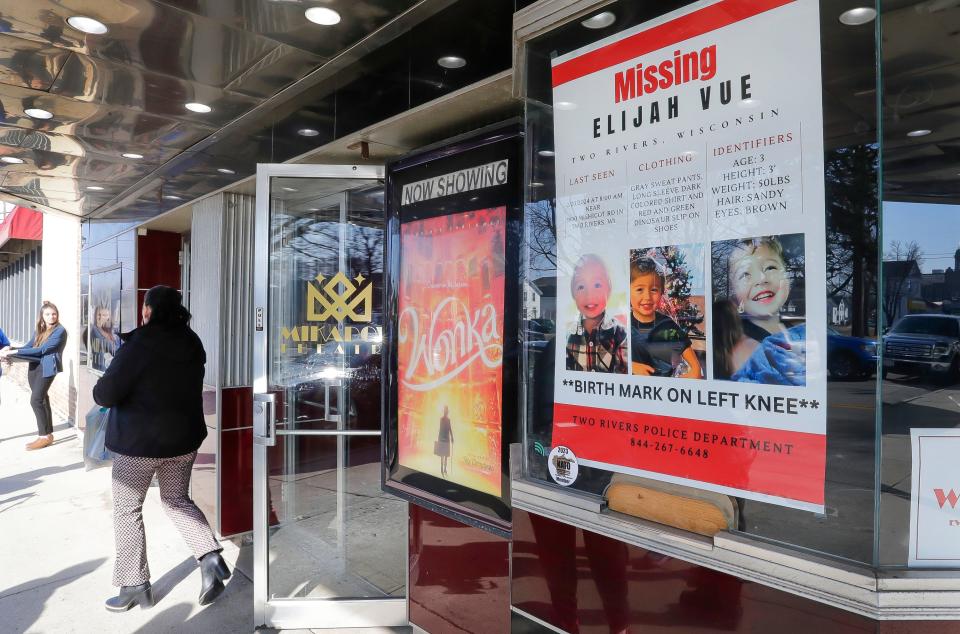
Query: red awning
{"x": 21, "y": 224}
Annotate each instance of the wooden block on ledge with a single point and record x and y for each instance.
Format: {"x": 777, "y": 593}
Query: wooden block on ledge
{"x": 695, "y": 510}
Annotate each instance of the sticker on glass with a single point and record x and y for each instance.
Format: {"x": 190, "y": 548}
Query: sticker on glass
{"x": 563, "y": 466}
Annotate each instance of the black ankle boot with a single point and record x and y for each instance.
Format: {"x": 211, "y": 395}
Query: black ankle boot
{"x": 130, "y": 596}
{"x": 222, "y": 571}
{"x": 213, "y": 570}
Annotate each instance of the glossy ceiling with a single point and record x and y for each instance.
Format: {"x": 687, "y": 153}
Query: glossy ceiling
{"x": 265, "y": 71}
{"x": 920, "y": 73}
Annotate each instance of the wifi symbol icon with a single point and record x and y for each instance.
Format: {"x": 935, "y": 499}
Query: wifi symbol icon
{"x": 539, "y": 449}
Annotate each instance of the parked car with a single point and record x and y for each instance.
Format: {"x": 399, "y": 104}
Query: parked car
{"x": 538, "y": 333}
{"x": 850, "y": 357}
{"x": 923, "y": 344}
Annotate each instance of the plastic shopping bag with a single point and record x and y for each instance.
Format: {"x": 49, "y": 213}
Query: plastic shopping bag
{"x": 95, "y": 454}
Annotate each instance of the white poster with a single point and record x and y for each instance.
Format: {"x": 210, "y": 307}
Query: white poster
{"x": 934, "y": 492}
{"x": 691, "y": 231}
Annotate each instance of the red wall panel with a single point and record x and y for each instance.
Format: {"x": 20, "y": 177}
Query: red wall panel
{"x": 237, "y": 405}
{"x": 158, "y": 262}
{"x": 236, "y": 481}
{"x": 459, "y": 576}
{"x": 236, "y": 460}
{"x": 584, "y": 582}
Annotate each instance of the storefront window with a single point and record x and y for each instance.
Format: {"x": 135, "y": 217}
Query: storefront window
{"x": 920, "y": 283}
{"x": 726, "y": 216}
{"x": 108, "y": 300}
{"x": 104, "y": 317}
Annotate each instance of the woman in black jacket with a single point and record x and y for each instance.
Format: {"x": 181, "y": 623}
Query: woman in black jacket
{"x": 154, "y": 389}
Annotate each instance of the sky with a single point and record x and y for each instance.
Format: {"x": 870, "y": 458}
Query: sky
{"x": 936, "y": 228}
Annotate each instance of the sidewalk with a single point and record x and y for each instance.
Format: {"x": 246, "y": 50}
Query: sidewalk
{"x": 56, "y": 545}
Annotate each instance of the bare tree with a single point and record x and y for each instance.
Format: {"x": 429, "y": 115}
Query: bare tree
{"x": 542, "y": 236}
{"x": 904, "y": 251}
{"x": 895, "y": 283}
{"x": 366, "y": 250}
{"x": 852, "y": 215}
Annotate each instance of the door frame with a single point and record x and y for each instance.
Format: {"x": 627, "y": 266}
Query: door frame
{"x": 294, "y": 613}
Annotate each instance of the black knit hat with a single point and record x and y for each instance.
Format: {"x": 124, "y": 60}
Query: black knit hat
{"x": 166, "y": 306}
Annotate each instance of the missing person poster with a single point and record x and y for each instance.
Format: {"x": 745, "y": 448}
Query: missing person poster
{"x": 691, "y": 294}
{"x": 450, "y": 347}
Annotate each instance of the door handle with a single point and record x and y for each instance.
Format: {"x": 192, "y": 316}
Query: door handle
{"x": 264, "y": 419}
{"x": 333, "y": 418}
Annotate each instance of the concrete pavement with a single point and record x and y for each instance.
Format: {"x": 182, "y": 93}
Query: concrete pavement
{"x": 56, "y": 545}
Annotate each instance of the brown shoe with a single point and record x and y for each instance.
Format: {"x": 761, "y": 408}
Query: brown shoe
{"x": 40, "y": 442}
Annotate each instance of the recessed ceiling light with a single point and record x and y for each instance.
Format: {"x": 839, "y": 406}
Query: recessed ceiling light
{"x": 916, "y": 133}
{"x": 546, "y": 153}
{"x": 13, "y": 160}
{"x": 322, "y": 16}
{"x": 132, "y": 155}
{"x": 600, "y": 21}
{"x": 536, "y": 184}
{"x": 172, "y": 197}
{"x": 38, "y": 113}
{"x": 858, "y": 16}
{"x": 194, "y": 106}
{"x": 224, "y": 170}
{"x": 307, "y": 132}
{"x": 452, "y": 61}
{"x": 95, "y": 188}
{"x": 565, "y": 105}
{"x": 87, "y": 25}
{"x": 289, "y": 189}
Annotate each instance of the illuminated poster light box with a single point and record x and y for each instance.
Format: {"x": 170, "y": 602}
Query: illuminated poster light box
{"x": 451, "y": 366}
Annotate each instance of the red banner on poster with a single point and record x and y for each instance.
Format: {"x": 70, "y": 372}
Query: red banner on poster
{"x": 744, "y": 457}
{"x": 450, "y": 347}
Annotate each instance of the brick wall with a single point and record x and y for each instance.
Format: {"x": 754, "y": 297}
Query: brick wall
{"x": 17, "y": 372}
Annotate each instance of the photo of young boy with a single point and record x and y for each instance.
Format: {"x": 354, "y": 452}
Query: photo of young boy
{"x": 659, "y": 345}
{"x": 597, "y": 341}
{"x": 759, "y": 310}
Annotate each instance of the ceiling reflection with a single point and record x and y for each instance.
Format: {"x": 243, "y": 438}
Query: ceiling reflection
{"x": 125, "y": 90}
{"x": 121, "y": 135}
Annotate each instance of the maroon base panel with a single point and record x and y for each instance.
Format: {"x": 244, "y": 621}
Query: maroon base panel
{"x": 459, "y": 576}
{"x": 583, "y": 582}
{"x": 236, "y": 460}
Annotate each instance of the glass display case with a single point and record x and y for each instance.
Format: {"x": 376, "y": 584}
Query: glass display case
{"x": 760, "y": 196}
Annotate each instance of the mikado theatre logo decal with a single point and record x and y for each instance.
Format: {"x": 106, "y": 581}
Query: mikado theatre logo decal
{"x": 331, "y": 303}
{"x": 339, "y": 298}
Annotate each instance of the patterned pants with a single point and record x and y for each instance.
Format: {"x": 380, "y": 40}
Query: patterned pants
{"x": 131, "y": 479}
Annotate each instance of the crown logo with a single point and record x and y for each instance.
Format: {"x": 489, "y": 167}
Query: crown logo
{"x": 325, "y": 301}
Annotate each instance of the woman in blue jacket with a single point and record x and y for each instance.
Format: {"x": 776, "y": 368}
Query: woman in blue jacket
{"x": 4, "y": 344}
{"x": 44, "y": 352}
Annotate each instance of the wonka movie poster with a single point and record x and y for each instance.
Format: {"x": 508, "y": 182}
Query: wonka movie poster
{"x": 450, "y": 347}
